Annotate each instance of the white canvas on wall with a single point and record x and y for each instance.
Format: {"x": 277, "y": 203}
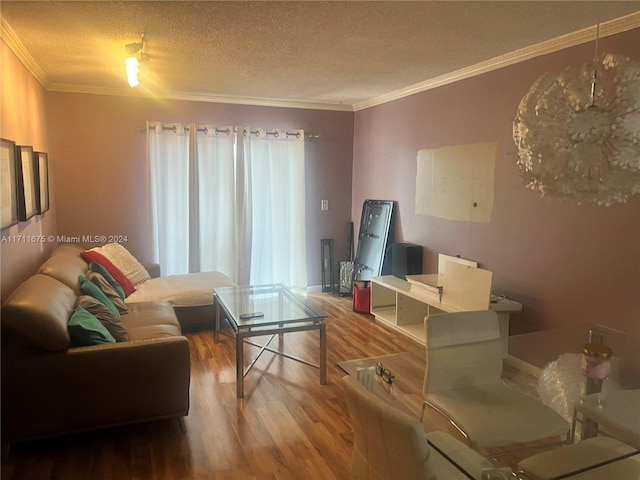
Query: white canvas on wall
{"x": 457, "y": 183}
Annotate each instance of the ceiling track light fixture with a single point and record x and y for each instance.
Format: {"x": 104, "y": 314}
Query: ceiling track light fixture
{"x": 136, "y": 56}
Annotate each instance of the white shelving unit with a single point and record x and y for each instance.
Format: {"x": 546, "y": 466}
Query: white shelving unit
{"x": 403, "y": 306}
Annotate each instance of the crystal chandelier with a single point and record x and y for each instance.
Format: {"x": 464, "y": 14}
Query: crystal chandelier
{"x": 578, "y": 133}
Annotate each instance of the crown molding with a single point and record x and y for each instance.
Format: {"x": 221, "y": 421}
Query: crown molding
{"x": 141, "y": 92}
{"x": 263, "y": 102}
{"x": 578, "y": 37}
{"x": 93, "y": 90}
{"x": 13, "y": 42}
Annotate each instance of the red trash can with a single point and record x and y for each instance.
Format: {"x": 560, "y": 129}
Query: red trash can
{"x": 362, "y": 296}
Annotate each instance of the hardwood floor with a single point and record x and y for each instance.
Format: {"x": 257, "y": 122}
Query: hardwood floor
{"x": 288, "y": 426}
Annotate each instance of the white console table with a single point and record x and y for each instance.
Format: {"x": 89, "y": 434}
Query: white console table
{"x": 403, "y": 306}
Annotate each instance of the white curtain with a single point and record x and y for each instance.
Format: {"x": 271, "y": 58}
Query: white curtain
{"x": 235, "y": 206}
{"x": 168, "y": 165}
{"x": 274, "y": 170}
{"x": 217, "y": 245}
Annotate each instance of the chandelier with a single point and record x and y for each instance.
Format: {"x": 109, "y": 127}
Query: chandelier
{"x": 578, "y": 133}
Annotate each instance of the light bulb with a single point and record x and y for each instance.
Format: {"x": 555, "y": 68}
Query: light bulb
{"x": 132, "y": 70}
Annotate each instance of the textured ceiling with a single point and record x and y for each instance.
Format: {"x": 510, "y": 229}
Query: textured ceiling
{"x": 314, "y": 52}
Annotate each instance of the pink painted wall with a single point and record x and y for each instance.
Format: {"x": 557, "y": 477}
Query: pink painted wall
{"x": 23, "y": 120}
{"x": 100, "y": 171}
{"x": 567, "y": 263}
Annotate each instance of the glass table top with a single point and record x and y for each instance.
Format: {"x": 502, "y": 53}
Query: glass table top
{"x": 277, "y": 304}
{"x": 406, "y": 393}
{"x": 540, "y": 348}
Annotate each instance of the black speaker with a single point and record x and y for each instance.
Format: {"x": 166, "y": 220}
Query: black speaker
{"x": 406, "y": 259}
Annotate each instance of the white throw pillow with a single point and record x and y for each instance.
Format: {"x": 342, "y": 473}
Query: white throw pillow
{"x": 127, "y": 263}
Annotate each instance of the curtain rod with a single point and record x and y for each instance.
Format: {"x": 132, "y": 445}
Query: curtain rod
{"x": 174, "y": 129}
{"x": 205, "y": 130}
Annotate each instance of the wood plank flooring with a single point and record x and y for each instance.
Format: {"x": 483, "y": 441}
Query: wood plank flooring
{"x": 288, "y": 426}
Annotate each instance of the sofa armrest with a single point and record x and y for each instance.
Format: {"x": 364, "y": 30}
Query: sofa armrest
{"x": 92, "y": 387}
{"x": 153, "y": 269}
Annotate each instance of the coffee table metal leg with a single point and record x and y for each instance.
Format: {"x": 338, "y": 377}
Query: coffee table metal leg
{"x": 323, "y": 354}
{"x": 216, "y": 328}
{"x": 239, "y": 364}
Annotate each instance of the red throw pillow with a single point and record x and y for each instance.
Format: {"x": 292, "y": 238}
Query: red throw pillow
{"x": 126, "y": 284}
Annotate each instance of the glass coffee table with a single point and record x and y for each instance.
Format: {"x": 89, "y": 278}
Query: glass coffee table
{"x": 272, "y": 310}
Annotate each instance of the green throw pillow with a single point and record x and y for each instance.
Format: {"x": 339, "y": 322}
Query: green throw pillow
{"x": 106, "y": 317}
{"x": 85, "y": 330}
{"x": 87, "y": 287}
{"x": 96, "y": 267}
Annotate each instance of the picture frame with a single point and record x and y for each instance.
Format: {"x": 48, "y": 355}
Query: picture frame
{"x": 9, "y": 185}
{"x": 27, "y": 205}
{"x": 41, "y": 169}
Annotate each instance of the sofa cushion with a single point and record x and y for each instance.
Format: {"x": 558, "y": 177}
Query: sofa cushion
{"x": 39, "y": 310}
{"x": 127, "y": 263}
{"x": 105, "y": 316}
{"x": 151, "y": 320}
{"x": 87, "y": 287}
{"x": 127, "y": 285}
{"x": 96, "y": 267}
{"x": 86, "y": 329}
{"x": 102, "y": 283}
{"x": 65, "y": 264}
{"x": 187, "y": 290}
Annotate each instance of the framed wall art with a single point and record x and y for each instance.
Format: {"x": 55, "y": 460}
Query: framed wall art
{"x": 41, "y": 168}
{"x": 9, "y": 186}
{"x": 27, "y": 206}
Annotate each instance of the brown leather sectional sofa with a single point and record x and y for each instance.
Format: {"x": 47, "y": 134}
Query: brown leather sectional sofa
{"x": 50, "y": 388}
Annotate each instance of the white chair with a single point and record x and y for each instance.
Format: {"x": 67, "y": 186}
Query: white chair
{"x": 392, "y": 445}
{"x": 463, "y": 383}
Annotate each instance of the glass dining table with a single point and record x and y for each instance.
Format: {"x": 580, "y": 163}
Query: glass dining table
{"x": 615, "y": 410}
{"x": 601, "y": 399}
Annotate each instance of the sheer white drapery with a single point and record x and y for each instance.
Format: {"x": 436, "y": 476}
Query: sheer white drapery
{"x": 168, "y": 165}
{"x": 274, "y": 174}
{"x": 217, "y": 246}
{"x": 230, "y": 200}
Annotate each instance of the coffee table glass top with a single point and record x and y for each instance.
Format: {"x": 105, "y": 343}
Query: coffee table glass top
{"x": 277, "y": 304}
